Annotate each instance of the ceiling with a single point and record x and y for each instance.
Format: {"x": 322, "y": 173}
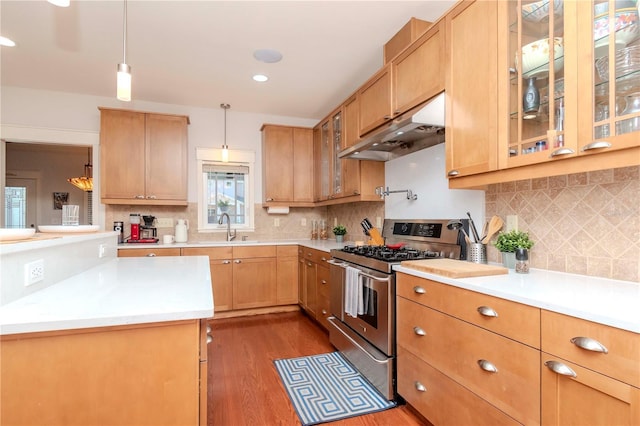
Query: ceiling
{"x": 200, "y": 53}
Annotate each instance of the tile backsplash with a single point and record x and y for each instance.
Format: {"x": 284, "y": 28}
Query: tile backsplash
{"x": 583, "y": 223}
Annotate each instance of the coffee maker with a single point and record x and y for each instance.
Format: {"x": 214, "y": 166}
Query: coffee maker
{"x": 134, "y": 220}
{"x": 148, "y": 230}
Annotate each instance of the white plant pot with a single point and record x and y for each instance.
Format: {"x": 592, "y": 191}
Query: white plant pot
{"x": 509, "y": 260}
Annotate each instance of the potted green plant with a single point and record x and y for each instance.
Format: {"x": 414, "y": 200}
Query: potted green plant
{"x": 224, "y": 205}
{"x": 508, "y": 242}
{"x": 339, "y": 231}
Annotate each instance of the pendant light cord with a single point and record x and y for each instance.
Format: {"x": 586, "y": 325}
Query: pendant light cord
{"x": 225, "y": 107}
{"x": 124, "y": 34}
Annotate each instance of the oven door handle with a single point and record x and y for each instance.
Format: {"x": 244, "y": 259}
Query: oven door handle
{"x": 344, "y": 266}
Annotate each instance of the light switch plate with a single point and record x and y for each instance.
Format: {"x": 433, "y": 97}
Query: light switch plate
{"x": 512, "y": 222}
{"x": 164, "y": 222}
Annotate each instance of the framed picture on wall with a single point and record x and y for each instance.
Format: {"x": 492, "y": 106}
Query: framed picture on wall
{"x": 59, "y": 199}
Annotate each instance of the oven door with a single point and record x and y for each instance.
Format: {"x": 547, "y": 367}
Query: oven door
{"x": 376, "y": 322}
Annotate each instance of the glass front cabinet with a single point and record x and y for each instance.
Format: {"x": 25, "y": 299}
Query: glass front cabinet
{"x": 565, "y": 98}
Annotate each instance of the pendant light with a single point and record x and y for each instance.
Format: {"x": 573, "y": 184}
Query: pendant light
{"x": 225, "y": 148}
{"x": 84, "y": 182}
{"x": 123, "y": 91}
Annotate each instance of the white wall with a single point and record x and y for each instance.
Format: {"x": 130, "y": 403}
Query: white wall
{"x": 423, "y": 172}
{"x": 57, "y": 110}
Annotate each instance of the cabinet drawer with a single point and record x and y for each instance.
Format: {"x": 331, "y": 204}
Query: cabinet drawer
{"x": 514, "y": 320}
{"x": 214, "y": 253}
{"x": 316, "y": 256}
{"x": 149, "y": 252}
{"x": 623, "y": 347}
{"x": 443, "y": 401}
{"x": 458, "y": 348}
{"x": 253, "y": 251}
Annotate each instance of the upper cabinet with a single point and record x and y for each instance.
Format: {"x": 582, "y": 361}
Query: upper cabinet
{"x": 562, "y": 106}
{"x": 287, "y": 154}
{"x": 471, "y": 88}
{"x": 143, "y": 158}
{"x": 412, "y": 77}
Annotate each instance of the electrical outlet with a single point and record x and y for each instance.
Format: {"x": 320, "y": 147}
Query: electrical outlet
{"x": 164, "y": 222}
{"x": 512, "y": 223}
{"x": 33, "y": 272}
{"x": 102, "y": 251}
{"x": 303, "y": 222}
{"x": 378, "y": 222}
{"x": 276, "y": 222}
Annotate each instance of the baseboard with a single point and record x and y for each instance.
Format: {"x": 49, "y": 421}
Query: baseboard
{"x": 255, "y": 311}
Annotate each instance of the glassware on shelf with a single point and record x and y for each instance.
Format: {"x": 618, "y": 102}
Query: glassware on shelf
{"x": 632, "y": 107}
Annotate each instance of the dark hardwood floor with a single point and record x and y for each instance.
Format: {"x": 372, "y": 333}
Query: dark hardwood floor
{"x": 243, "y": 385}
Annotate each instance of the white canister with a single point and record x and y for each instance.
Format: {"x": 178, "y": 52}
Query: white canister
{"x": 181, "y": 231}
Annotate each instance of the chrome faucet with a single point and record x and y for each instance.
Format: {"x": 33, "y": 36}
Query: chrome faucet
{"x": 230, "y": 236}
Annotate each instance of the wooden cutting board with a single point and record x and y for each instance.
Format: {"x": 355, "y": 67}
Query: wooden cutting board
{"x": 454, "y": 268}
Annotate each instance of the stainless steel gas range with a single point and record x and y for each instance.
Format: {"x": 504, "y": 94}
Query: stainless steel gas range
{"x": 363, "y": 292}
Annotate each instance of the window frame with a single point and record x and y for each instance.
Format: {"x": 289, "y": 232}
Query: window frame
{"x": 236, "y": 158}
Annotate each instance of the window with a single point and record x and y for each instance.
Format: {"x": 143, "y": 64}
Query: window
{"x": 225, "y": 188}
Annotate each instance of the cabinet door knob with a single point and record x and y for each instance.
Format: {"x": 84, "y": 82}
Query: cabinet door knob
{"x": 208, "y": 329}
{"x": 309, "y": 264}
{"x": 560, "y": 368}
{"x": 151, "y": 197}
{"x": 324, "y": 312}
{"x": 487, "y": 366}
{"x": 151, "y": 255}
{"x": 487, "y": 311}
{"x": 237, "y": 261}
{"x": 419, "y": 290}
{"x": 139, "y": 197}
{"x": 324, "y": 281}
{"x": 589, "y": 344}
{"x": 226, "y": 262}
{"x": 453, "y": 173}
{"x": 209, "y": 339}
{"x": 420, "y": 387}
{"x": 596, "y": 145}
{"x": 419, "y": 331}
{"x": 269, "y": 199}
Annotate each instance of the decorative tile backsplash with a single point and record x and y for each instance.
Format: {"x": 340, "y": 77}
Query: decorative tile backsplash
{"x": 583, "y": 223}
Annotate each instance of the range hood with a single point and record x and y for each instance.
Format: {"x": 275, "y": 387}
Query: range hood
{"x": 419, "y": 128}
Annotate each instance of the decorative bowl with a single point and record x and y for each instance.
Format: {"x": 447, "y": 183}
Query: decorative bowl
{"x": 535, "y": 57}
{"x": 539, "y": 11}
{"x": 627, "y": 29}
{"x": 627, "y": 62}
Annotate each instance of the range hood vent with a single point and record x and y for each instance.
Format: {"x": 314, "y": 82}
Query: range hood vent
{"x": 417, "y": 129}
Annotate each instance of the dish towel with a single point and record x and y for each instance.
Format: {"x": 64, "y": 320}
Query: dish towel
{"x": 353, "y": 302}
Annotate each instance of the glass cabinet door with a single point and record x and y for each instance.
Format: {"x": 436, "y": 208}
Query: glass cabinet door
{"x": 536, "y": 90}
{"x": 325, "y": 152}
{"x": 336, "y": 140}
{"x": 617, "y": 81}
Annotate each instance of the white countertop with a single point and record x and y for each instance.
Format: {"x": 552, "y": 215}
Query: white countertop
{"x": 122, "y": 291}
{"x": 324, "y": 245}
{"x": 611, "y": 302}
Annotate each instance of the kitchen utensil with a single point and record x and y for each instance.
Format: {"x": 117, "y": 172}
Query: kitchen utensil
{"x": 454, "y": 224}
{"x": 495, "y": 224}
{"x": 474, "y": 231}
{"x": 477, "y": 253}
{"x": 376, "y": 238}
{"x": 366, "y": 226}
{"x": 395, "y": 246}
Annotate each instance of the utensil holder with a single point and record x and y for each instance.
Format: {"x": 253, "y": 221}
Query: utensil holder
{"x": 477, "y": 252}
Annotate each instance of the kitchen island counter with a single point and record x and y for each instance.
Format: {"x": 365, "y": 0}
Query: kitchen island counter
{"x": 323, "y": 245}
{"x": 122, "y": 291}
{"x": 605, "y": 301}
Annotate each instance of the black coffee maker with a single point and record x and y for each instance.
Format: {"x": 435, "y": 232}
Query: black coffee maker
{"x": 148, "y": 230}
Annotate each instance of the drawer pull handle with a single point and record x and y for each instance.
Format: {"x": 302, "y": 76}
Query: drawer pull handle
{"x": 487, "y": 366}
{"x": 209, "y": 339}
{"x": 419, "y": 331}
{"x": 589, "y": 344}
{"x": 237, "y": 261}
{"x": 419, "y": 290}
{"x": 453, "y": 173}
{"x": 226, "y": 262}
{"x": 208, "y": 329}
{"x": 324, "y": 281}
{"x": 560, "y": 368}
{"x": 596, "y": 145}
{"x": 420, "y": 387}
{"x": 324, "y": 312}
{"x": 151, "y": 255}
{"x": 487, "y": 311}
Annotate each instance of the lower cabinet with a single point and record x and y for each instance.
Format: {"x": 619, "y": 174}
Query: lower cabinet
{"x": 243, "y": 277}
{"x": 314, "y": 283}
{"x": 469, "y": 358}
{"x": 139, "y": 374}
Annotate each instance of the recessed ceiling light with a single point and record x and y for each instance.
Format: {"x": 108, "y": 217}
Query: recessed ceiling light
{"x": 6, "y": 42}
{"x": 269, "y": 56}
{"x": 60, "y": 3}
{"x": 260, "y": 78}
